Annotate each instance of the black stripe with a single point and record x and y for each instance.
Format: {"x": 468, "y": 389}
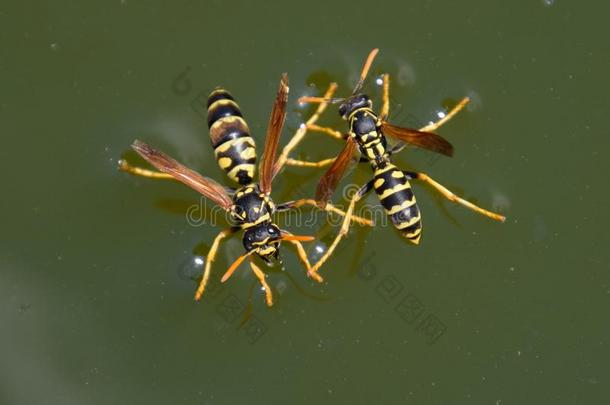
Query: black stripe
{"x": 397, "y": 198}
{"x": 226, "y": 110}
{"x": 232, "y": 133}
{"x": 235, "y": 157}
{"x": 405, "y": 215}
{"x": 389, "y": 181}
{"x": 412, "y": 229}
{"x": 218, "y": 94}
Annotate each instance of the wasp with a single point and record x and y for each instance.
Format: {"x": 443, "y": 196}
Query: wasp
{"x": 250, "y": 205}
{"x": 367, "y": 132}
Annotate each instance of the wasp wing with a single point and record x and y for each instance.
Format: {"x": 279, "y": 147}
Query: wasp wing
{"x": 426, "y": 140}
{"x": 328, "y": 183}
{"x": 274, "y": 130}
{"x": 208, "y": 187}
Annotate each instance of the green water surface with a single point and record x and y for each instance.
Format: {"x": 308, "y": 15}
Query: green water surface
{"x": 97, "y": 267}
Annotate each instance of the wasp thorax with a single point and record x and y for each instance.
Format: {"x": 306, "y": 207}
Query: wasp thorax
{"x": 250, "y": 206}
{"x": 354, "y": 103}
{"x": 264, "y": 239}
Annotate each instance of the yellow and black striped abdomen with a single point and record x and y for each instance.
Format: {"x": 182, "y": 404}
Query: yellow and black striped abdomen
{"x": 394, "y": 192}
{"x": 234, "y": 147}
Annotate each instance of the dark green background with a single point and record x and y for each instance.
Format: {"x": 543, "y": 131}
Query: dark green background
{"x": 95, "y": 296}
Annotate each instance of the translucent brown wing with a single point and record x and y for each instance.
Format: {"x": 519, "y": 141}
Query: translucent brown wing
{"x": 274, "y": 130}
{"x": 208, "y": 187}
{"x": 426, "y": 140}
{"x": 328, "y": 183}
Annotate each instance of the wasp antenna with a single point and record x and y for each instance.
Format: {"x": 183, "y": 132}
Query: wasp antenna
{"x": 365, "y": 70}
{"x": 234, "y": 266}
{"x": 307, "y": 99}
{"x": 300, "y": 238}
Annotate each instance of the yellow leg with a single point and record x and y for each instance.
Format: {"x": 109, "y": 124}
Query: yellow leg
{"x": 342, "y": 232}
{"x": 305, "y": 163}
{"x": 435, "y": 125}
{"x": 345, "y": 225}
{"x": 303, "y": 257}
{"x": 326, "y": 130}
{"x": 138, "y": 171}
{"x": 210, "y": 259}
{"x": 300, "y": 133}
{"x": 385, "y": 107}
{"x": 329, "y": 208}
{"x": 452, "y": 197}
{"x": 261, "y": 277}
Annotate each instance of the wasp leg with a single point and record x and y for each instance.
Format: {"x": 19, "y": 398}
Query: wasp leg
{"x": 261, "y": 277}
{"x": 300, "y": 133}
{"x": 305, "y": 163}
{"x": 385, "y": 107}
{"x": 211, "y": 256}
{"x": 344, "y": 226}
{"x": 138, "y": 171}
{"x": 452, "y": 197}
{"x": 329, "y": 208}
{"x": 333, "y": 133}
{"x": 434, "y": 125}
{"x": 303, "y": 257}
{"x": 322, "y": 163}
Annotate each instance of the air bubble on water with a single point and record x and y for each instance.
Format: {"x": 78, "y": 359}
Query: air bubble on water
{"x": 54, "y": 46}
{"x": 302, "y": 125}
{"x": 379, "y": 81}
{"x": 475, "y": 103}
{"x": 281, "y": 287}
{"x": 191, "y": 269}
{"x": 441, "y": 114}
{"x": 318, "y": 251}
{"x": 405, "y": 75}
{"x": 548, "y": 3}
{"x": 500, "y": 202}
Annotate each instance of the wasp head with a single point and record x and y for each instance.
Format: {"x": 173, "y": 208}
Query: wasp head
{"x": 354, "y": 103}
{"x": 264, "y": 239}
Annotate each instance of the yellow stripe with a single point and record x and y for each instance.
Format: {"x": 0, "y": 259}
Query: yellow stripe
{"x": 379, "y": 182}
{"x": 373, "y": 142}
{"x": 368, "y": 110}
{"x": 397, "y": 208}
{"x": 248, "y": 153}
{"x": 246, "y": 166}
{"x": 262, "y": 218}
{"x": 407, "y": 224}
{"x": 217, "y": 91}
{"x": 223, "y": 147}
{"x": 224, "y": 162}
{"x": 229, "y": 120}
{"x": 385, "y": 169}
{"x": 394, "y": 189}
{"x": 414, "y": 233}
{"x": 222, "y": 102}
